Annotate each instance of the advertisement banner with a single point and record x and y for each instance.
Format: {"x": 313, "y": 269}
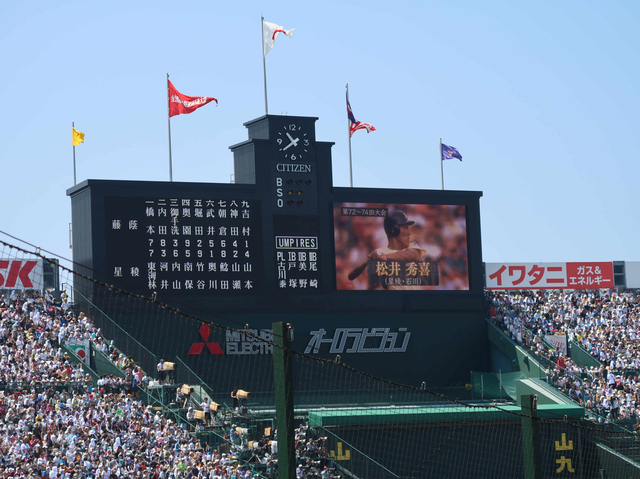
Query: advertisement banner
{"x": 583, "y": 275}
{"x": 80, "y": 348}
{"x": 21, "y": 274}
{"x": 389, "y": 344}
{"x": 558, "y": 341}
{"x": 590, "y": 275}
{"x": 400, "y": 246}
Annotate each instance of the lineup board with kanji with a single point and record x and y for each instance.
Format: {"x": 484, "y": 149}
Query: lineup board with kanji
{"x": 185, "y": 245}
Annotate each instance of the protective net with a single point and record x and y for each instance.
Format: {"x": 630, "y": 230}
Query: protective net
{"x": 193, "y": 393}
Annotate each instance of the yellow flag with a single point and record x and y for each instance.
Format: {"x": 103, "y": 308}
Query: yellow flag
{"x": 78, "y": 137}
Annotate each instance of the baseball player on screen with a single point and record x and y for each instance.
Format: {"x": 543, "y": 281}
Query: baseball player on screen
{"x": 399, "y": 248}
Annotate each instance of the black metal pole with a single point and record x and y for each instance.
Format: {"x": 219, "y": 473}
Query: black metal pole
{"x": 283, "y": 385}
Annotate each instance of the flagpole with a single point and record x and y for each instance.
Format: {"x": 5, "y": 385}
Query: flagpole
{"x": 74, "y": 157}
{"x": 169, "y": 122}
{"x": 264, "y": 67}
{"x": 349, "y": 133}
{"x": 441, "y": 165}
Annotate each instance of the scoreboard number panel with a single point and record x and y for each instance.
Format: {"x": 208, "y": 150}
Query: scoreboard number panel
{"x": 185, "y": 245}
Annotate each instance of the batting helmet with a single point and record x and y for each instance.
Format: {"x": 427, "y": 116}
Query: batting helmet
{"x": 394, "y": 221}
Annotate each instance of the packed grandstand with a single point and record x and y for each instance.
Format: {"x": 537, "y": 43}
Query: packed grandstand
{"x": 605, "y": 323}
{"x": 57, "y": 421}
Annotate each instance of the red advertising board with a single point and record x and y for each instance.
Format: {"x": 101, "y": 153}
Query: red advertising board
{"x": 582, "y": 275}
{"x": 592, "y": 275}
{"x": 21, "y": 274}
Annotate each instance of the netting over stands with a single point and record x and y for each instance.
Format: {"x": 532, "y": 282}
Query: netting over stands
{"x": 348, "y": 422}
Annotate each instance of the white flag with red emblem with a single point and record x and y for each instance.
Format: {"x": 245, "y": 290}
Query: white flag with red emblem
{"x": 269, "y": 33}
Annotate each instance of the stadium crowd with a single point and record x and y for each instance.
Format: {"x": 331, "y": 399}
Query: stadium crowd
{"x": 55, "y": 424}
{"x": 606, "y": 324}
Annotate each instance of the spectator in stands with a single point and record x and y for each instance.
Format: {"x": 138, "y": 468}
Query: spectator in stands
{"x": 205, "y": 407}
{"x": 53, "y": 424}
{"x": 234, "y": 399}
{"x": 180, "y": 397}
{"x": 49, "y": 297}
{"x": 606, "y": 324}
{"x": 160, "y": 369}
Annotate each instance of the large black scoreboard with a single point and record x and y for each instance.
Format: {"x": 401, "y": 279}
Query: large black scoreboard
{"x": 375, "y": 272}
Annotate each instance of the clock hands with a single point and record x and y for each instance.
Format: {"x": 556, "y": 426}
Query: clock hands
{"x": 291, "y": 138}
{"x": 294, "y": 142}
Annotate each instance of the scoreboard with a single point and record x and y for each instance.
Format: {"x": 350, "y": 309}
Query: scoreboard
{"x": 351, "y": 268}
{"x": 282, "y": 229}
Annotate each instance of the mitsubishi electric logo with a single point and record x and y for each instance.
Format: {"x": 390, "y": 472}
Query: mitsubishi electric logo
{"x": 249, "y": 342}
{"x": 196, "y": 348}
{"x": 241, "y": 342}
{"x": 360, "y": 340}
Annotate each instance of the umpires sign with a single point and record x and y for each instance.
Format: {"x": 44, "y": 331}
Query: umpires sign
{"x": 297, "y": 252}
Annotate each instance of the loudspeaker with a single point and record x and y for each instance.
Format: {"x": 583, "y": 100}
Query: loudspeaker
{"x": 243, "y": 394}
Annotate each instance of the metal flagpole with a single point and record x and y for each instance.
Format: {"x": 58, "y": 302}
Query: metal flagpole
{"x": 169, "y": 121}
{"x": 349, "y": 133}
{"x": 74, "y": 157}
{"x": 264, "y": 67}
{"x": 441, "y": 165}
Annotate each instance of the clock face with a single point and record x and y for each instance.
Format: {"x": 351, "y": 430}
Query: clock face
{"x": 293, "y": 142}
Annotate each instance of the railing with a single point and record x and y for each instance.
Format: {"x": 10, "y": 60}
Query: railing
{"x": 104, "y": 364}
{"x": 185, "y": 375}
{"x": 620, "y": 440}
{"x": 551, "y": 366}
{"x": 177, "y": 414}
{"x": 581, "y": 356}
{"x": 156, "y": 400}
{"x": 75, "y": 359}
{"x": 126, "y": 343}
{"x": 57, "y": 385}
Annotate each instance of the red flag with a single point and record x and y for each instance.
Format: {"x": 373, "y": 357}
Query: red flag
{"x": 182, "y": 104}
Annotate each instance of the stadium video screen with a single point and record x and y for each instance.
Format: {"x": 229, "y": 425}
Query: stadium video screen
{"x": 400, "y": 246}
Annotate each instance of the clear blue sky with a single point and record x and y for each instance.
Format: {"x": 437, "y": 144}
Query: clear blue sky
{"x": 541, "y": 98}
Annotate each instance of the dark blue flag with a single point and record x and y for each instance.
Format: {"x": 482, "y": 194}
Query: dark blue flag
{"x": 355, "y": 125}
{"x": 449, "y": 153}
